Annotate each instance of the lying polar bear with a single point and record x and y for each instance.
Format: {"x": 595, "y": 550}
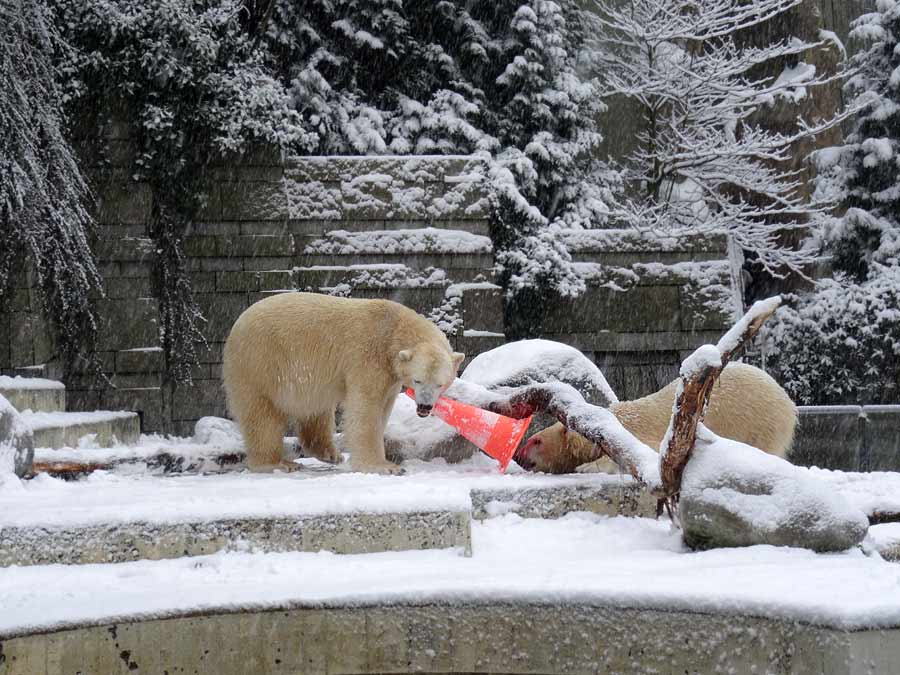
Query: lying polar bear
{"x": 297, "y": 356}
{"x": 746, "y": 405}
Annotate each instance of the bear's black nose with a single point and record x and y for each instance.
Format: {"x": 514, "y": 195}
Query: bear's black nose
{"x": 423, "y": 410}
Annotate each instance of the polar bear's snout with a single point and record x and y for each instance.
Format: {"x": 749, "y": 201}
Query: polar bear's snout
{"x": 426, "y": 396}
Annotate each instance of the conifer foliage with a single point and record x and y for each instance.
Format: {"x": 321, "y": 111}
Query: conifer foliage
{"x": 842, "y": 342}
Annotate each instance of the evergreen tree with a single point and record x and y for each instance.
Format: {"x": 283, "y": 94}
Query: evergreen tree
{"x": 44, "y": 198}
{"x": 841, "y": 342}
{"x": 864, "y": 173}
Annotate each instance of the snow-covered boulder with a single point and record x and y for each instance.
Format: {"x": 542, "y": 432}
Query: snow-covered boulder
{"x": 516, "y": 364}
{"x": 736, "y": 495}
{"x": 16, "y": 441}
{"x": 537, "y": 362}
{"x": 217, "y": 431}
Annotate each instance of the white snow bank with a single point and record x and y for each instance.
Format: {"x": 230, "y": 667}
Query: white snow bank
{"x": 19, "y": 382}
{"x": 581, "y": 558}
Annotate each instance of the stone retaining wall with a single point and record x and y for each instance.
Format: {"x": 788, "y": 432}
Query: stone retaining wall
{"x": 412, "y": 229}
{"x": 849, "y": 437}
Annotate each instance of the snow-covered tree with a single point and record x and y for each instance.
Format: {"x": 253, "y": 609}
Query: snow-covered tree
{"x": 841, "y": 342}
{"x": 45, "y": 220}
{"x": 497, "y": 77}
{"x": 701, "y": 164}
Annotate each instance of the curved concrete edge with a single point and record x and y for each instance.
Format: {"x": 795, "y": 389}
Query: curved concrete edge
{"x": 434, "y": 638}
{"x": 336, "y": 532}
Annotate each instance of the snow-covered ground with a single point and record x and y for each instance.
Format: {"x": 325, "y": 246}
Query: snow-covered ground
{"x": 582, "y": 558}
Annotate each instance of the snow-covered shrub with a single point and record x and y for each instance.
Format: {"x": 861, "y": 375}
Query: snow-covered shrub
{"x": 44, "y": 198}
{"x": 841, "y": 343}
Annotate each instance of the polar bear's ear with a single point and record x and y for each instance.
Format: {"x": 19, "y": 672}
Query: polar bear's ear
{"x": 405, "y": 355}
{"x": 457, "y": 359}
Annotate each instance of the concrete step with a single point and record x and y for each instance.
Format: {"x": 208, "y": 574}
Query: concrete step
{"x": 66, "y": 429}
{"x": 33, "y": 393}
{"x": 116, "y": 519}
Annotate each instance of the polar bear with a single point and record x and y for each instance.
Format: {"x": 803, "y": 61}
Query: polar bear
{"x": 296, "y": 357}
{"x": 746, "y": 405}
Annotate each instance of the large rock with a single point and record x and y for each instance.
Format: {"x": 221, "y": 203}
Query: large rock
{"x": 511, "y": 365}
{"x": 16, "y": 441}
{"x": 516, "y": 364}
{"x": 735, "y": 495}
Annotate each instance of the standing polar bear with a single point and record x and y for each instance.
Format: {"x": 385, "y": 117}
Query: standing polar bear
{"x": 296, "y": 357}
{"x": 746, "y": 405}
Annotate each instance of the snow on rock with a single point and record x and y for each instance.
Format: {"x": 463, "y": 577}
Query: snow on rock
{"x": 735, "y": 495}
{"x": 537, "y": 362}
{"x": 217, "y": 431}
{"x": 16, "y": 441}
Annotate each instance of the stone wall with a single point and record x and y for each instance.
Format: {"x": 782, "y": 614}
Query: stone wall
{"x": 409, "y": 229}
{"x": 849, "y": 437}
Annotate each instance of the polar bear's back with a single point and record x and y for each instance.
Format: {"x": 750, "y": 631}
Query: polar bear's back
{"x": 300, "y": 349}
{"x": 746, "y": 405}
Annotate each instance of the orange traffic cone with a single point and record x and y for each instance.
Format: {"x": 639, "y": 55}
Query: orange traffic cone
{"x": 497, "y": 435}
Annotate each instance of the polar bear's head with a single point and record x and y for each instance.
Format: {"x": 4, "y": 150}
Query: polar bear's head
{"x": 428, "y": 370}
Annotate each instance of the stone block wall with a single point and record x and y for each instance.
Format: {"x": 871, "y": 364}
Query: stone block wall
{"x": 411, "y": 229}
{"x": 849, "y": 437}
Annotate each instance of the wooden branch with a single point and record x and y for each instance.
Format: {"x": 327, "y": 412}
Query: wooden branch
{"x": 596, "y": 424}
{"x": 698, "y": 375}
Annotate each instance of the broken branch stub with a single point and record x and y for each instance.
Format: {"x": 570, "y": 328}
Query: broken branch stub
{"x": 698, "y": 375}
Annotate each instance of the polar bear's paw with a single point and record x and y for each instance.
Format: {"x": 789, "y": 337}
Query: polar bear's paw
{"x": 332, "y": 455}
{"x": 388, "y": 468}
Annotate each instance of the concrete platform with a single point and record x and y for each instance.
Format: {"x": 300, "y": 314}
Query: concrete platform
{"x": 338, "y": 533}
{"x": 66, "y": 429}
{"x": 32, "y": 393}
{"x": 439, "y": 638}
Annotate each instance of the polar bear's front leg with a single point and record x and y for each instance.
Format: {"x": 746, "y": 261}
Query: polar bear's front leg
{"x": 365, "y": 418}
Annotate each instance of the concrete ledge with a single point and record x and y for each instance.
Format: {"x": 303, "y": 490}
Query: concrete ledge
{"x": 339, "y": 533}
{"x": 437, "y": 638}
{"x": 610, "y": 499}
{"x": 59, "y": 430}
{"x": 29, "y": 393}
